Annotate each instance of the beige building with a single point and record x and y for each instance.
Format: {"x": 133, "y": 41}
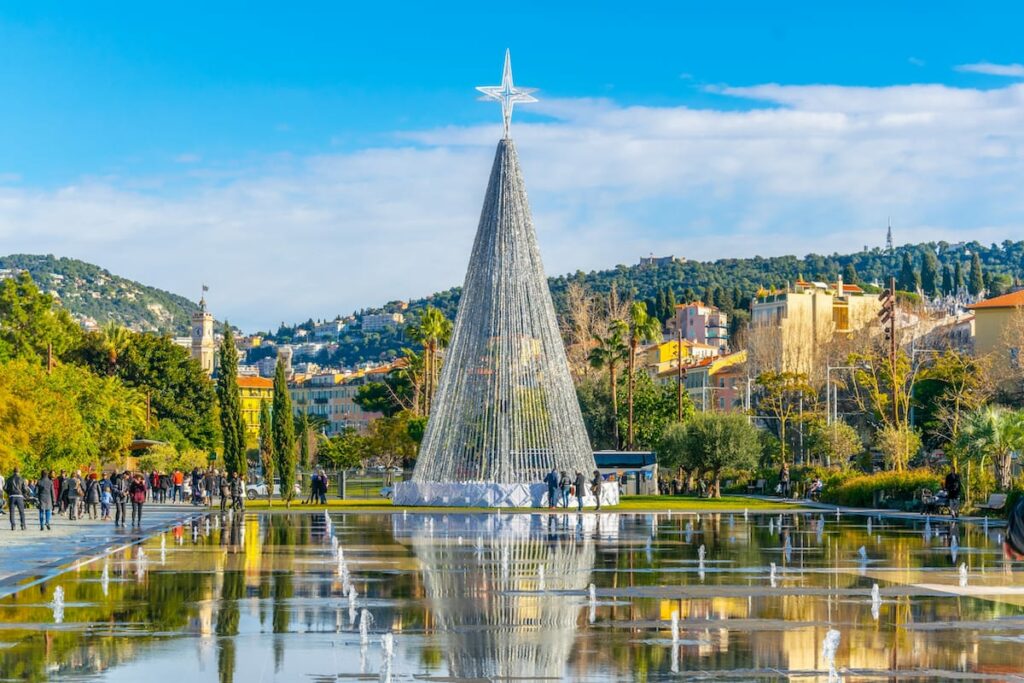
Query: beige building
{"x": 332, "y": 396}
{"x": 202, "y": 346}
{"x": 993, "y": 320}
{"x": 788, "y": 329}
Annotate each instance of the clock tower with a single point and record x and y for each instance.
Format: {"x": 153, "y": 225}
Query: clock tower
{"x": 202, "y": 337}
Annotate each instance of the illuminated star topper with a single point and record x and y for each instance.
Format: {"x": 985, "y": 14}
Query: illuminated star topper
{"x": 507, "y": 93}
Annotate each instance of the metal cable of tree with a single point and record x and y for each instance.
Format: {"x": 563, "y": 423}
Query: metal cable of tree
{"x": 505, "y": 410}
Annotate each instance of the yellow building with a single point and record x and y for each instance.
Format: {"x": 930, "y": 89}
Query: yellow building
{"x": 992, "y": 318}
{"x": 790, "y": 327}
{"x": 254, "y": 391}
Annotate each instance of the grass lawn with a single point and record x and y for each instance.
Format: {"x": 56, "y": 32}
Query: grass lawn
{"x": 628, "y": 504}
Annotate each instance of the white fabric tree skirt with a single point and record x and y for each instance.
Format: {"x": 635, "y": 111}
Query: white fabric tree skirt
{"x": 491, "y": 495}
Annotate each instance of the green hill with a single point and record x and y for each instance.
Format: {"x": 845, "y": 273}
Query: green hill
{"x": 91, "y": 293}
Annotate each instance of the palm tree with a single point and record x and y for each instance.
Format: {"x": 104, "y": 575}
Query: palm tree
{"x": 114, "y": 340}
{"x": 642, "y": 328}
{"x": 434, "y": 331}
{"x": 609, "y": 351}
{"x": 994, "y": 432}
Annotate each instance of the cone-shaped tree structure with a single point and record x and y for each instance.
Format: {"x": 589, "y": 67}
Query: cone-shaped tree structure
{"x": 505, "y": 410}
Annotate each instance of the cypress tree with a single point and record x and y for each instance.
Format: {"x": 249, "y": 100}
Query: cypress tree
{"x": 709, "y": 296}
{"x": 947, "y": 281}
{"x": 930, "y": 273}
{"x": 670, "y": 303}
{"x": 958, "y": 278}
{"x": 850, "y": 275}
{"x": 909, "y": 280}
{"x": 662, "y": 304}
{"x": 283, "y": 434}
{"x": 976, "y": 282}
{"x": 304, "y": 440}
{"x": 231, "y": 426}
{"x": 267, "y": 447}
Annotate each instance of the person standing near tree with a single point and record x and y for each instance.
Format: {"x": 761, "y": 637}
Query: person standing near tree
{"x": 565, "y": 485}
{"x": 44, "y": 496}
{"x": 784, "y": 480}
{"x": 952, "y": 486}
{"x": 595, "y": 487}
{"x": 16, "y": 492}
{"x": 71, "y": 491}
{"x": 92, "y": 496}
{"x": 119, "y": 491}
{"x": 237, "y": 492}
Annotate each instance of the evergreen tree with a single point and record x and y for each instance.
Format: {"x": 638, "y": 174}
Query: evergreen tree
{"x": 947, "y": 281}
{"x": 232, "y": 427}
{"x": 670, "y": 304}
{"x": 958, "y": 278}
{"x": 304, "y": 440}
{"x": 976, "y": 282}
{"x": 283, "y": 431}
{"x": 930, "y": 273}
{"x": 850, "y": 275}
{"x": 909, "y": 280}
{"x": 662, "y": 304}
{"x": 267, "y": 447}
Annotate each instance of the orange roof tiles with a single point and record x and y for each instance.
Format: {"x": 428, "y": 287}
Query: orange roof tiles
{"x": 247, "y": 382}
{"x": 1011, "y": 300}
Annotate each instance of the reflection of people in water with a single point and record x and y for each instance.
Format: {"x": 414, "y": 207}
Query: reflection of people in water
{"x": 1013, "y": 546}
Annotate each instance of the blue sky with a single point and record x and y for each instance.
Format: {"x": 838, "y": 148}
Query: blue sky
{"x": 342, "y": 148}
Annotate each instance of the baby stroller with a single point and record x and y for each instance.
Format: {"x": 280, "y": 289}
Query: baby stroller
{"x": 198, "y": 495}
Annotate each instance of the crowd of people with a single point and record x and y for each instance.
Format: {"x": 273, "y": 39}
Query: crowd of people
{"x": 561, "y": 487}
{"x": 104, "y": 496}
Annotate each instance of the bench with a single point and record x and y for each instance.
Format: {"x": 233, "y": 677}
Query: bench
{"x": 759, "y": 486}
{"x": 996, "y": 502}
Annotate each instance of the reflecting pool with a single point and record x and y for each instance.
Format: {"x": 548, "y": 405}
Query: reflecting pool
{"x": 528, "y": 597}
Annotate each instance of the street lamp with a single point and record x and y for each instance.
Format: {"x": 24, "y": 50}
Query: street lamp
{"x": 832, "y": 403}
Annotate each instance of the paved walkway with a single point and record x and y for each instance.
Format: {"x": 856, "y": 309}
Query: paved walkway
{"x": 31, "y": 554}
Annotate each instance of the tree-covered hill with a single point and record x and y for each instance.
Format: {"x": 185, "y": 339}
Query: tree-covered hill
{"x": 89, "y": 292}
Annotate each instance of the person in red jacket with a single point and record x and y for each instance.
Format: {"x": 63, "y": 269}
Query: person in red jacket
{"x": 137, "y": 496}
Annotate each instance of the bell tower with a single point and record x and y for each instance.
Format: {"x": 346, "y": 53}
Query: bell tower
{"x": 202, "y": 336}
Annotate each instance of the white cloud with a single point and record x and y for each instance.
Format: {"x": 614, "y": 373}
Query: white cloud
{"x": 804, "y": 168}
{"x": 1010, "y": 70}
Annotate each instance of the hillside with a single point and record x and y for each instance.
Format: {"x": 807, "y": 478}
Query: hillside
{"x": 728, "y": 283}
{"x": 92, "y": 293}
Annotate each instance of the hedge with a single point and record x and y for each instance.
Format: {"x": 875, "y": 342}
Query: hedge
{"x": 860, "y": 490}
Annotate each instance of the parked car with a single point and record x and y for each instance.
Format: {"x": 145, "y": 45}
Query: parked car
{"x": 259, "y": 489}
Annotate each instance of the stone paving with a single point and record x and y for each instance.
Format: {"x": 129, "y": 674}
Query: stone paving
{"x": 32, "y": 554}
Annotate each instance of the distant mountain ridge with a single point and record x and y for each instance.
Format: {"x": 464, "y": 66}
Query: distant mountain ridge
{"x": 95, "y": 295}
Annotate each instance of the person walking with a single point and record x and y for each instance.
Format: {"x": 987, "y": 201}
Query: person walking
{"x": 92, "y": 496}
{"x": 552, "y": 481}
{"x": 71, "y": 492}
{"x": 784, "y": 480}
{"x": 210, "y": 485}
{"x": 16, "y": 491}
{"x": 323, "y": 487}
{"x": 225, "y": 491}
{"x": 952, "y": 486}
{"x": 119, "y": 492}
{"x": 237, "y": 492}
{"x": 581, "y": 490}
{"x": 565, "y": 485}
{"x": 178, "y": 494}
{"x": 137, "y": 495}
{"x": 58, "y": 484}
{"x": 45, "y": 497}
{"x": 595, "y": 487}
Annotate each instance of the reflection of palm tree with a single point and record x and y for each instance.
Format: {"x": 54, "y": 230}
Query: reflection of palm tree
{"x": 611, "y": 350}
{"x": 642, "y": 328}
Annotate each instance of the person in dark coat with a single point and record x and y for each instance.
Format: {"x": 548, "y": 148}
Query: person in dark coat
{"x": 565, "y": 485}
{"x": 595, "y": 487}
{"x": 552, "y": 481}
{"x": 17, "y": 492}
{"x": 952, "y": 486}
{"x": 119, "y": 490}
{"x": 44, "y": 495}
{"x": 92, "y": 497}
{"x": 1013, "y": 544}
{"x": 72, "y": 491}
{"x": 137, "y": 496}
{"x": 581, "y": 490}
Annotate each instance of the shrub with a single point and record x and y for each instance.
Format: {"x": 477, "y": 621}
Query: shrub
{"x": 860, "y": 490}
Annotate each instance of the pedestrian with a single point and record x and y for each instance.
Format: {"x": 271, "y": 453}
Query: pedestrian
{"x": 2, "y": 482}
{"x": 62, "y": 499}
{"x": 952, "y": 486}
{"x": 1013, "y": 545}
{"x": 211, "y": 485}
{"x": 784, "y": 480}
{"x": 44, "y": 496}
{"x": 92, "y": 496}
{"x": 225, "y": 491}
{"x": 137, "y": 495}
{"x": 595, "y": 487}
{"x": 552, "y": 481}
{"x": 178, "y": 494}
{"x": 71, "y": 492}
{"x": 16, "y": 491}
{"x": 564, "y": 488}
{"x": 237, "y": 492}
{"x": 323, "y": 487}
{"x": 581, "y": 488}
{"x": 106, "y": 497}
{"x": 119, "y": 492}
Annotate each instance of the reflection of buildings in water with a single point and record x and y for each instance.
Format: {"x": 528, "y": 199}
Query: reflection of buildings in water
{"x": 505, "y": 590}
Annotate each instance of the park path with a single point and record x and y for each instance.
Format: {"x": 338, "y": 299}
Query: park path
{"x": 26, "y": 556}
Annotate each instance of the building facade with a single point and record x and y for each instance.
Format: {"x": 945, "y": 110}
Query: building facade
{"x": 997, "y": 327}
{"x": 254, "y": 392}
{"x": 702, "y": 324}
{"x": 332, "y": 396}
{"x": 375, "y": 322}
